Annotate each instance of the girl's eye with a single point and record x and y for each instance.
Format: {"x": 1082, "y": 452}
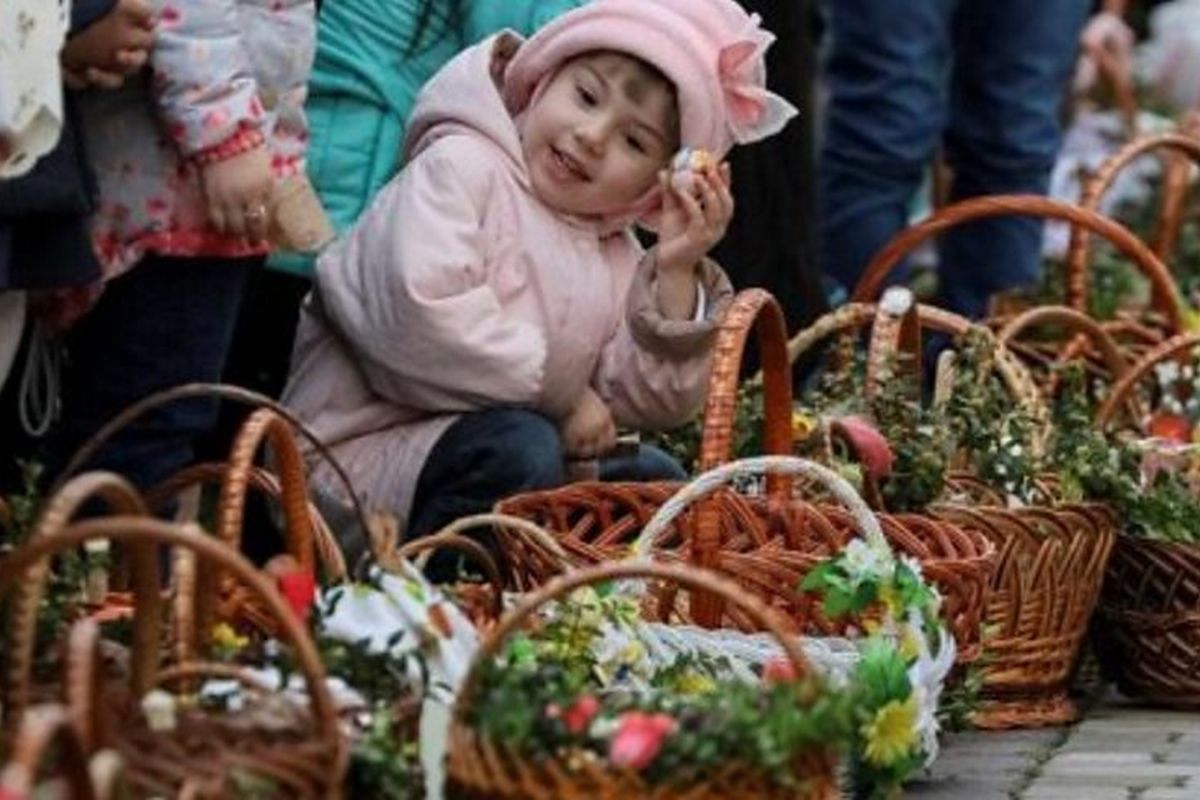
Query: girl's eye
{"x": 636, "y": 144}
{"x": 585, "y": 96}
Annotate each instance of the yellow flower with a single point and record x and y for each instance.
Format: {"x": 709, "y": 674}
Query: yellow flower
{"x": 910, "y": 643}
{"x": 226, "y": 639}
{"x": 695, "y": 683}
{"x": 893, "y": 732}
{"x": 1191, "y": 318}
{"x": 803, "y": 425}
{"x": 891, "y": 600}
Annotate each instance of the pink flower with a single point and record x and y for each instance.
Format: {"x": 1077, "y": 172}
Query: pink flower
{"x": 638, "y": 739}
{"x": 779, "y": 670}
{"x": 869, "y": 445}
{"x": 581, "y": 713}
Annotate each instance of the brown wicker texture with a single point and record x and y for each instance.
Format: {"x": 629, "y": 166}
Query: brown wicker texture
{"x": 1124, "y": 393}
{"x": 48, "y": 759}
{"x": 1051, "y": 560}
{"x": 767, "y": 544}
{"x": 1149, "y": 631}
{"x": 480, "y": 768}
{"x": 1044, "y": 590}
{"x": 27, "y": 597}
{"x": 301, "y": 750}
{"x": 1168, "y": 299}
{"x": 1085, "y": 339}
{"x": 235, "y": 394}
{"x": 1149, "y": 636}
{"x": 1180, "y": 148}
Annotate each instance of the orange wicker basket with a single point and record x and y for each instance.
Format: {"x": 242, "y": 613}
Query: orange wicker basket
{"x": 1051, "y": 560}
{"x": 483, "y": 768}
{"x": 297, "y": 750}
{"x": 767, "y": 543}
{"x": 1134, "y": 334}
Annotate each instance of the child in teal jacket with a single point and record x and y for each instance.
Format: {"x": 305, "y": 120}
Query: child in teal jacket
{"x": 373, "y": 57}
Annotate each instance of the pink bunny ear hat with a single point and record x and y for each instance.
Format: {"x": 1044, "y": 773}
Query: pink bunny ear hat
{"x": 712, "y": 50}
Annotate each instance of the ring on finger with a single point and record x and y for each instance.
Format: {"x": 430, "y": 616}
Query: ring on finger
{"x": 256, "y": 213}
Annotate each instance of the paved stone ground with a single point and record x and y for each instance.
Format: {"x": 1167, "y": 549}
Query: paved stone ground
{"x": 1117, "y": 752}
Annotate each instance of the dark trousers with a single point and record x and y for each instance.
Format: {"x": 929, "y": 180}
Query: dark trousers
{"x": 489, "y": 455}
{"x": 983, "y": 79}
{"x": 166, "y": 322}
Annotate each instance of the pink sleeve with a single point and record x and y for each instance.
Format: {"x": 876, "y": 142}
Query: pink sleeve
{"x": 654, "y": 371}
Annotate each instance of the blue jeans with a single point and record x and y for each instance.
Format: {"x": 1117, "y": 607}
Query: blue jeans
{"x": 489, "y": 455}
{"x": 166, "y": 322}
{"x": 985, "y": 79}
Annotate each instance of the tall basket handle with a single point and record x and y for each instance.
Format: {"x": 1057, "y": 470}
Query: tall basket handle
{"x": 757, "y": 308}
{"x": 60, "y": 509}
{"x": 133, "y": 530}
{"x": 872, "y": 281}
{"x": 690, "y": 578}
{"x": 42, "y": 728}
{"x": 852, "y": 317}
{"x": 1122, "y": 391}
{"x": 1098, "y": 186}
{"x": 235, "y": 394}
{"x": 328, "y": 551}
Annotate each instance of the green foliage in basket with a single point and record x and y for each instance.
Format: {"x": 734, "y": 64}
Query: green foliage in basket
{"x": 920, "y": 444}
{"x": 67, "y": 580}
{"x": 581, "y": 688}
{"x": 683, "y": 443}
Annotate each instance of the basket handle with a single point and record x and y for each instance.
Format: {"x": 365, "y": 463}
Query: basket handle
{"x": 1098, "y": 186}
{"x": 451, "y": 538}
{"x": 222, "y": 391}
{"x": 855, "y": 316}
{"x": 757, "y": 308}
{"x": 262, "y": 427}
{"x": 1076, "y": 321}
{"x": 1122, "y": 391}
{"x": 328, "y": 551}
{"x": 59, "y": 511}
{"x": 871, "y": 283}
{"x": 40, "y": 729}
{"x": 133, "y": 530}
{"x": 710, "y": 481}
{"x": 690, "y": 578}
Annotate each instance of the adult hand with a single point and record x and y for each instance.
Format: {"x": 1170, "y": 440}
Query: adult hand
{"x": 238, "y": 192}
{"x": 1106, "y": 36}
{"x": 589, "y": 430}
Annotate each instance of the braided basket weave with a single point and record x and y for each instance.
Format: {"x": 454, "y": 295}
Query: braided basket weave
{"x": 300, "y": 750}
{"x": 1149, "y": 631}
{"x": 767, "y": 543}
{"x": 483, "y": 768}
{"x": 1051, "y": 561}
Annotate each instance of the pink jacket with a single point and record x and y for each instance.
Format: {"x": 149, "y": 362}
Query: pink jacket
{"x": 458, "y": 291}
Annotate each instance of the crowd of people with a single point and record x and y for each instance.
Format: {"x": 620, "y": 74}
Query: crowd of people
{"x": 453, "y": 235}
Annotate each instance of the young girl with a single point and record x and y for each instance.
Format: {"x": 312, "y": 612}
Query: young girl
{"x": 188, "y": 156}
{"x": 491, "y": 313}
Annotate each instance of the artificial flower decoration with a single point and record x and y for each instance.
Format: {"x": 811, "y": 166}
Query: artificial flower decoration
{"x": 639, "y": 738}
{"x": 892, "y": 733}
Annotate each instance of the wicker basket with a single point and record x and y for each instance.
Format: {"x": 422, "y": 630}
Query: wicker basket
{"x": 482, "y": 768}
{"x": 1133, "y": 334}
{"x": 1051, "y": 560}
{"x": 1149, "y": 632}
{"x": 47, "y": 759}
{"x": 301, "y": 751}
{"x": 766, "y": 543}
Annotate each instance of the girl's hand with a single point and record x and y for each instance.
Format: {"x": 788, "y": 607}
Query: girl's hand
{"x": 238, "y": 191}
{"x": 116, "y": 45}
{"x": 589, "y": 430}
{"x": 693, "y": 222}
